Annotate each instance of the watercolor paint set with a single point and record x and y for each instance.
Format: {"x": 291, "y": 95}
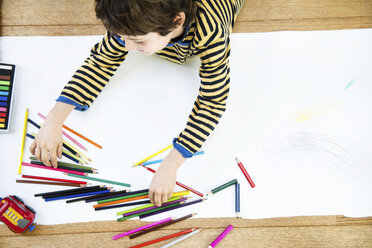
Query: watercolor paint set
{"x": 7, "y": 73}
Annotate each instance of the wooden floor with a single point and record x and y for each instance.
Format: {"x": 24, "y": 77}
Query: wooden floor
{"x": 76, "y": 17}
{"x": 301, "y": 232}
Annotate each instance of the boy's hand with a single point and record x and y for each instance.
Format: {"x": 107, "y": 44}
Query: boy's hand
{"x": 164, "y": 180}
{"x": 48, "y": 142}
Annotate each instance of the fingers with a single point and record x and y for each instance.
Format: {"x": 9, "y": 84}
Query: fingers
{"x": 32, "y": 147}
{"x": 157, "y": 199}
{"x": 45, "y": 157}
{"x": 37, "y": 153}
{"x": 164, "y": 197}
{"x": 59, "y": 150}
{"x": 53, "y": 159}
{"x": 151, "y": 196}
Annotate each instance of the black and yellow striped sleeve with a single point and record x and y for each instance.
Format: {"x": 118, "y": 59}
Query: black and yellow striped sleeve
{"x": 214, "y": 75}
{"x": 89, "y": 80}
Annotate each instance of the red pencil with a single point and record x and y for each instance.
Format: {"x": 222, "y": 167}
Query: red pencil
{"x": 54, "y": 179}
{"x": 178, "y": 183}
{"x": 245, "y": 173}
{"x": 164, "y": 238}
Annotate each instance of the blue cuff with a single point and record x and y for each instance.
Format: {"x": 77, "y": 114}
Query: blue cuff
{"x": 71, "y": 102}
{"x": 184, "y": 152}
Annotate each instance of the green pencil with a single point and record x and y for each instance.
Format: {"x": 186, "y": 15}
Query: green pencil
{"x": 98, "y": 180}
{"x": 146, "y": 206}
{"x": 150, "y": 211}
{"x": 223, "y": 186}
{"x": 68, "y": 164}
{"x": 122, "y": 197}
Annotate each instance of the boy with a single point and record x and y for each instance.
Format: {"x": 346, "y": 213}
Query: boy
{"x": 174, "y": 30}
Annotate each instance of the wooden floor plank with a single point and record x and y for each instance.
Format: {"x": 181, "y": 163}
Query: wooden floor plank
{"x": 320, "y": 236}
{"x": 77, "y": 17}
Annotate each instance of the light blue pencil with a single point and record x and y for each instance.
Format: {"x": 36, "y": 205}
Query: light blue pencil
{"x": 159, "y": 161}
{"x": 181, "y": 239}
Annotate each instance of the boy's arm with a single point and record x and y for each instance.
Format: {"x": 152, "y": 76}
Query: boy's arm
{"x": 89, "y": 80}
{"x": 211, "y": 102}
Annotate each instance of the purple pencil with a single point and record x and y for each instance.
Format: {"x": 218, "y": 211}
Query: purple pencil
{"x": 172, "y": 208}
{"x": 142, "y": 228}
{"x": 153, "y": 207}
{"x": 221, "y": 236}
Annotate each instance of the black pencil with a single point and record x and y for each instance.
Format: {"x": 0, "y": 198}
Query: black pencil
{"x": 123, "y": 205}
{"x": 118, "y": 195}
{"x": 68, "y": 190}
{"x": 79, "y": 192}
{"x": 95, "y": 196}
{"x": 160, "y": 226}
{"x": 65, "y": 167}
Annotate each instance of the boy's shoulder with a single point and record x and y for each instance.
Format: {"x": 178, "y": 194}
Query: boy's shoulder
{"x": 213, "y": 19}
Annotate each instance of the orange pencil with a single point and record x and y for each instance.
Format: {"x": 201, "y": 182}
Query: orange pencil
{"x": 120, "y": 201}
{"x": 81, "y": 136}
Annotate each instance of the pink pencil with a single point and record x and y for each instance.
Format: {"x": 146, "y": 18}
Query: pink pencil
{"x": 67, "y": 135}
{"x": 55, "y": 169}
{"x": 142, "y": 228}
{"x": 221, "y": 236}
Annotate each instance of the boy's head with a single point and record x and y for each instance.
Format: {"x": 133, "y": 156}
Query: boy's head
{"x": 146, "y": 25}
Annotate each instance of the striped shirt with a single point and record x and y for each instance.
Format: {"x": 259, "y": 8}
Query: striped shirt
{"x": 207, "y": 37}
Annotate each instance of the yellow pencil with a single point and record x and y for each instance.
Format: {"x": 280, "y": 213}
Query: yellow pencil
{"x": 23, "y": 141}
{"x": 153, "y": 155}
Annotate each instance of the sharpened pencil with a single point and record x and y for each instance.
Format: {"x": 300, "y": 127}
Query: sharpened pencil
{"x": 161, "y": 225}
{"x": 23, "y": 141}
{"x": 69, "y": 191}
{"x": 53, "y": 179}
{"x": 49, "y": 183}
{"x": 181, "y": 238}
{"x": 153, "y": 155}
{"x": 164, "y": 238}
{"x": 99, "y": 180}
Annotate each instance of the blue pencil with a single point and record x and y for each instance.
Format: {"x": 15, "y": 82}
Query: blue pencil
{"x": 160, "y": 160}
{"x": 77, "y": 195}
{"x": 237, "y": 200}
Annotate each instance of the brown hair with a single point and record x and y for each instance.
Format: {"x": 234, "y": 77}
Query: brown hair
{"x": 140, "y": 17}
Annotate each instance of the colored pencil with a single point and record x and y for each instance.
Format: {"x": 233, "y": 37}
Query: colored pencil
{"x": 180, "y": 193}
{"x": 78, "y": 134}
{"x": 68, "y": 191}
{"x": 237, "y": 200}
{"x": 32, "y": 136}
{"x": 118, "y": 194}
{"x": 141, "y": 228}
{"x": 181, "y": 238}
{"x": 51, "y": 168}
{"x": 99, "y": 190}
{"x": 164, "y": 238}
{"x": 122, "y": 197}
{"x": 165, "y": 210}
{"x": 161, "y": 160}
{"x": 249, "y": 179}
{"x": 221, "y": 236}
{"x": 160, "y": 226}
{"x": 120, "y": 201}
{"x": 23, "y": 141}
{"x": 123, "y": 205}
{"x": 145, "y": 206}
{"x": 150, "y": 211}
{"x": 146, "y": 210}
{"x": 74, "y": 196}
{"x": 153, "y": 155}
{"x": 67, "y": 135}
{"x": 95, "y": 196}
{"x": 68, "y": 164}
{"x": 179, "y": 184}
{"x": 223, "y": 186}
{"x": 50, "y": 183}
{"x": 53, "y": 179}
{"x": 64, "y": 167}
{"x": 99, "y": 180}
{"x": 65, "y": 144}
